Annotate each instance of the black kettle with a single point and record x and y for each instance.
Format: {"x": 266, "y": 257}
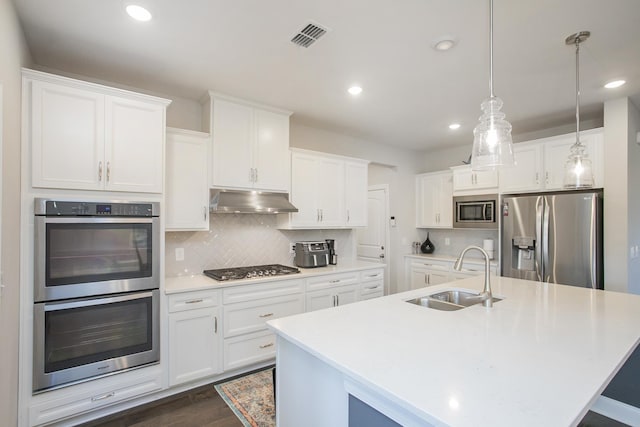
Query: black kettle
{"x": 427, "y": 246}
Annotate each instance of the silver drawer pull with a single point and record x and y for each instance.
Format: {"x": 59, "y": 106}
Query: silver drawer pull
{"x": 266, "y": 315}
{"x": 373, "y": 275}
{"x": 267, "y": 345}
{"x": 194, "y": 301}
{"x": 335, "y": 281}
{"x": 372, "y": 287}
{"x": 104, "y": 396}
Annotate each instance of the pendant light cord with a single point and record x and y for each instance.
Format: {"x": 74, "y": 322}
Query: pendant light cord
{"x": 578, "y": 91}
{"x": 491, "y": 47}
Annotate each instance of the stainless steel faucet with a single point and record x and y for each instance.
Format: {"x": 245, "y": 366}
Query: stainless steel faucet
{"x": 485, "y": 296}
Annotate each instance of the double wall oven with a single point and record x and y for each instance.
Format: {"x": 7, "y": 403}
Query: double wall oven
{"x": 96, "y": 289}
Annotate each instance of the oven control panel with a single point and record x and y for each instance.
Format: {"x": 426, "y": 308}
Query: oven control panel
{"x": 70, "y": 208}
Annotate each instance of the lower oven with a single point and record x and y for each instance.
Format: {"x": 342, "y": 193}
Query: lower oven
{"x": 84, "y": 338}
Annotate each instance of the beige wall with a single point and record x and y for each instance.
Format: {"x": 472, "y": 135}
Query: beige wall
{"x": 14, "y": 54}
{"x": 392, "y": 165}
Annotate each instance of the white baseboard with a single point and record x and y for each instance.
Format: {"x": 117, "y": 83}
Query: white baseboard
{"x": 617, "y": 410}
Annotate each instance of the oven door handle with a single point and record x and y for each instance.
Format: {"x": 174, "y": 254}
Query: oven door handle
{"x": 55, "y": 306}
{"x": 97, "y": 220}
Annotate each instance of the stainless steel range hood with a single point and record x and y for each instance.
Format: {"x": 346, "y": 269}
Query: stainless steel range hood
{"x": 227, "y": 201}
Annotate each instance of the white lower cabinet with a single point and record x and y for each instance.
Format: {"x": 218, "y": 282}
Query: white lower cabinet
{"x": 371, "y": 284}
{"x": 195, "y": 336}
{"x": 326, "y": 298}
{"x": 427, "y": 271}
{"x": 246, "y": 311}
{"x": 58, "y": 404}
{"x": 244, "y": 350}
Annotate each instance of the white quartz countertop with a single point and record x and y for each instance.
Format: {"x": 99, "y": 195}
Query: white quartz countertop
{"x": 539, "y": 357}
{"x": 197, "y": 282}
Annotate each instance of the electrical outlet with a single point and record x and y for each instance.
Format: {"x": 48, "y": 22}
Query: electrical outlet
{"x": 292, "y": 250}
{"x": 179, "y": 254}
{"x": 447, "y": 241}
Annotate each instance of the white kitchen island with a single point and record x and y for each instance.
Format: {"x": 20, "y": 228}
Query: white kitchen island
{"x": 539, "y": 357}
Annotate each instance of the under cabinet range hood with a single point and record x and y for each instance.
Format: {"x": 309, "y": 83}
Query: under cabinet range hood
{"x": 227, "y": 201}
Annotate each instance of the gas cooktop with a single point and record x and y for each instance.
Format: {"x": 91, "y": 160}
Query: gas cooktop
{"x": 250, "y": 272}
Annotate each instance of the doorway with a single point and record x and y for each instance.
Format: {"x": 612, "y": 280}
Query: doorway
{"x": 373, "y": 240}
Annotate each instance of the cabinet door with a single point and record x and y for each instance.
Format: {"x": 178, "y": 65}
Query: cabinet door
{"x": 437, "y": 277}
{"x": 418, "y": 278}
{"x": 233, "y": 136}
{"x": 330, "y": 192}
{"x": 427, "y": 199}
{"x": 271, "y": 155}
{"x": 194, "y": 345}
{"x": 67, "y": 137}
{"x": 304, "y": 188}
{"x": 556, "y": 153}
{"x": 346, "y": 295}
{"x": 527, "y": 172}
{"x": 317, "y": 300}
{"x": 187, "y": 190}
{"x": 134, "y": 145}
{"x": 463, "y": 179}
{"x": 486, "y": 179}
{"x": 445, "y": 201}
{"x": 356, "y": 182}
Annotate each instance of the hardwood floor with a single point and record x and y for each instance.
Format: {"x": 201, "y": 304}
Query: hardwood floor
{"x": 200, "y": 407}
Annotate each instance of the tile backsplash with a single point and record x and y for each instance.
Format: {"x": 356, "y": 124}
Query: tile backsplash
{"x": 236, "y": 240}
{"x": 458, "y": 240}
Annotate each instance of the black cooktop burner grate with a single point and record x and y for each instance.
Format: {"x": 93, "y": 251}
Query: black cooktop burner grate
{"x": 250, "y": 272}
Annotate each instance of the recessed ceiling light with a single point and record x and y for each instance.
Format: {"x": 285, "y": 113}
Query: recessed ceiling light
{"x": 444, "y": 43}
{"x": 355, "y": 90}
{"x": 138, "y": 13}
{"x": 614, "y": 84}
{"x": 454, "y": 126}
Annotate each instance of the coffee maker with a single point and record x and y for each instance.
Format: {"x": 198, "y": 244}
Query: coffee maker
{"x": 333, "y": 257}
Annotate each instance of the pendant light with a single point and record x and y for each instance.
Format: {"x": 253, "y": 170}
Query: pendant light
{"x": 492, "y": 144}
{"x": 577, "y": 169}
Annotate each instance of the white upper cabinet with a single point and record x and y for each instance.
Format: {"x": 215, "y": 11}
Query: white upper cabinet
{"x": 186, "y": 190}
{"x": 527, "y": 173}
{"x": 434, "y": 200}
{"x": 329, "y": 191}
{"x": 91, "y": 137}
{"x": 467, "y": 181}
{"x": 250, "y": 145}
{"x": 356, "y": 187}
{"x": 540, "y": 163}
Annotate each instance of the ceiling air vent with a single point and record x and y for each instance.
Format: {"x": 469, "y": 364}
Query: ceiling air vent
{"x": 309, "y": 35}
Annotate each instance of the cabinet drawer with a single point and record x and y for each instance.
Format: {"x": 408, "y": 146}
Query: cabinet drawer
{"x": 371, "y": 275}
{"x": 45, "y": 409}
{"x": 191, "y": 300}
{"x": 431, "y": 265}
{"x": 372, "y": 289}
{"x": 247, "y": 349}
{"x": 262, "y": 290}
{"x": 331, "y": 280}
{"x": 251, "y": 316}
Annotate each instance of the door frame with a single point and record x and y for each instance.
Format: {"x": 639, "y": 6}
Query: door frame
{"x": 387, "y": 233}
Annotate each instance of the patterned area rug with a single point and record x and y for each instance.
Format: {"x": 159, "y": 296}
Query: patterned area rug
{"x": 251, "y": 398}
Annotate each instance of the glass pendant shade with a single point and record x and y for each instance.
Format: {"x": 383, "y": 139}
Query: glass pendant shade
{"x": 492, "y": 143}
{"x": 578, "y": 172}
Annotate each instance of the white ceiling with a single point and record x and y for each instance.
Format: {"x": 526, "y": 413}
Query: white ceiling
{"x": 411, "y": 92}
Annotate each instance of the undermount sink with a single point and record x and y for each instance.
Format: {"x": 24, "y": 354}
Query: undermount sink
{"x": 449, "y": 300}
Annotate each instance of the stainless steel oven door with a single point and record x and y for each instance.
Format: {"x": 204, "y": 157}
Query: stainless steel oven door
{"x": 87, "y": 256}
{"x": 80, "y": 339}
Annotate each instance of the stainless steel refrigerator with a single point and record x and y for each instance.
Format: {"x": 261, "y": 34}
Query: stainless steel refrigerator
{"x": 553, "y": 237}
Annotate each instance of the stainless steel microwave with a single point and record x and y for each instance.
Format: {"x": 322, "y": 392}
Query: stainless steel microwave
{"x": 477, "y": 211}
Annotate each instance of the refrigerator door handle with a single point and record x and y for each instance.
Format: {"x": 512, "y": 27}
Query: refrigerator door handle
{"x": 539, "y": 246}
{"x": 593, "y": 240}
{"x": 545, "y": 243}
